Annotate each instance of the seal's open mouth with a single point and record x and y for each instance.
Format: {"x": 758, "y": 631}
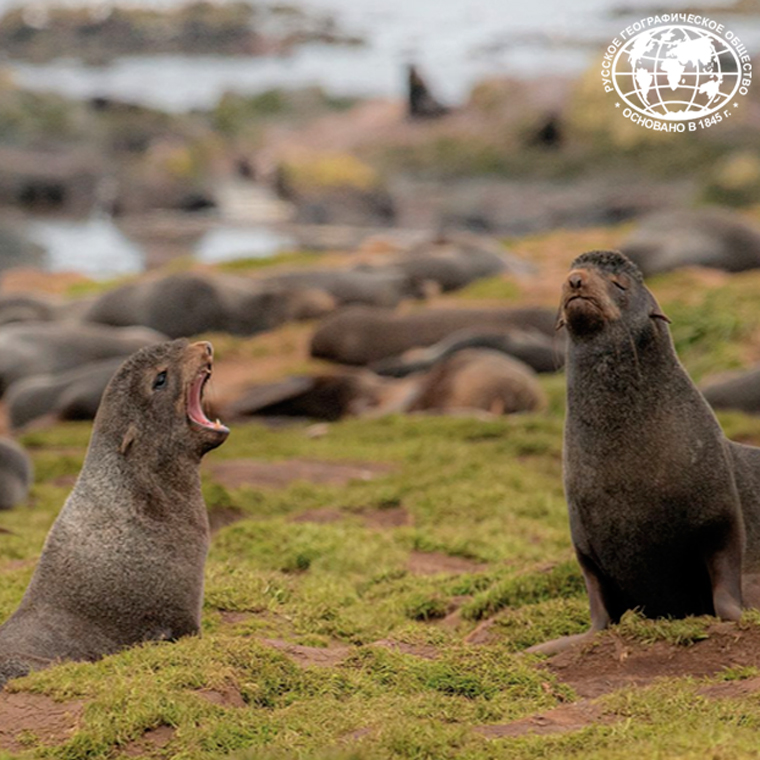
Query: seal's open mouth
{"x": 195, "y": 407}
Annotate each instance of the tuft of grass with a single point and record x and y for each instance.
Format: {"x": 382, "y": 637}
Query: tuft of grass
{"x": 397, "y": 680}
{"x": 678, "y": 632}
{"x": 564, "y": 580}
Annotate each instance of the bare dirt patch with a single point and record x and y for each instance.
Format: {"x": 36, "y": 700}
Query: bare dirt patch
{"x": 17, "y": 564}
{"x": 321, "y": 516}
{"x": 28, "y": 280}
{"x": 324, "y": 657}
{"x": 156, "y": 738}
{"x": 561, "y": 720}
{"x": 483, "y": 633}
{"x": 378, "y": 519}
{"x": 435, "y": 563}
{"x": 230, "y": 617}
{"x": 226, "y": 696}
{"x": 220, "y": 517}
{"x": 731, "y": 689}
{"x": 234, "y": 473}
{"x": 36, "y": 716}
{"x": 613, "y": 663}
{"x": 385, "y": 518}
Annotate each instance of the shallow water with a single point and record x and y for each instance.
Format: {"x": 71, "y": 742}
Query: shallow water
{"x": 456, "y": 43}
{"x": 229, "y": 243}
{"x": 95, "y": 247}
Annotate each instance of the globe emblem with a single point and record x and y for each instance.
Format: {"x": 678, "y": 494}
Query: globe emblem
{"x": 676, "y": 73}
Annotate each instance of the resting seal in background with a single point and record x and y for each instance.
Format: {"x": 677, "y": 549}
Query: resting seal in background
{"x": 37, "y": 348}
{"x": 734, "y": 390}
{"x": 361, "y": 334}
{"x": 534, "y": 348}
{"x": 123, "y": 562}
{"x": 708, "y": 238}
{"x": 71, "y": 395}
{"x": 16, "y": 473}
{"x": 471, "y": 379}
{"x": 664, "y": 510}
{"x": 182, "y": 305}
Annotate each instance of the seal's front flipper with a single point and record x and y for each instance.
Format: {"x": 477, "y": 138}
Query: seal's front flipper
{"x": 600, "y": 617}
{"x": 555, "y": 646}
{"x": 724, "y": 567}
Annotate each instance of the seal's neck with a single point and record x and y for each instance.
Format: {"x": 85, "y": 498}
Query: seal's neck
{"x": 618, "y": 376}
{"x": 155, "y": 475}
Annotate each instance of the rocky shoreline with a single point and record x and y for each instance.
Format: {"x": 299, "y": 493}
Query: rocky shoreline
{"x": 99, "y": 34}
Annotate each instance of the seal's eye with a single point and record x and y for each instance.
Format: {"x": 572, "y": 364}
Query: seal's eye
{"x": 620, "y": 282}
{"x": 160, "y": 380}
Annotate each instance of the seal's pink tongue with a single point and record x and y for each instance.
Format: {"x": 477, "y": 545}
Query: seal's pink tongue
{"x": 195, "y": 410}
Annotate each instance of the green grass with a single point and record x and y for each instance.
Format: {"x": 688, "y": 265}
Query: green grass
{"x": 486, "y": 493}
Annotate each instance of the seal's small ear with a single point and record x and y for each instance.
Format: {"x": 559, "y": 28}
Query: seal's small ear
{"x": 560, "y": 323}
{"x": 129, "y": 438}
{"x": 660, "y": 315}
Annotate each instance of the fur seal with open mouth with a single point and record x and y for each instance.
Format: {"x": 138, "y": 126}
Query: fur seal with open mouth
{"x": 123, "y": 562}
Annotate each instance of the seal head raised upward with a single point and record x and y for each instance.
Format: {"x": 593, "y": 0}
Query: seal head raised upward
{"x": 664, "y": 511}
{"x": 163, "y": 386}
{"x": 123, "y": 562}
{"x": 600, "y": 288}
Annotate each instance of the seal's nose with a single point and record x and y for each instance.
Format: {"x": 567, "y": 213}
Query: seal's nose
{"x": 205, "y": 348}
{"x": 575, "y": 280}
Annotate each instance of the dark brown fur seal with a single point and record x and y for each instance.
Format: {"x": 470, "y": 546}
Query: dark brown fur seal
{"x": 708, "y": 238}
{"x": 532, "y": 347}
{"x": 471, "y": 379}
{"x": 735, "y": 390}
{"x": 381, "y": 286}
{"x": 187, "y": 304}
{"x": 23, "y": 307}
{"x": 123, "y": 562}
{"x": 664, "y": 510}
{"x": 361, "y": 335}
{"x": 16, "y": 473}
{"x": 479, "y": 379}
{"x": 71, "y": 395}
{"x": 35, "y": 348}
{"x": 454, "y": 260}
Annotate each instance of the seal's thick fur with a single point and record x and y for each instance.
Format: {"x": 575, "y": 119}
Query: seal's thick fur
{"x": 664, "y": 510}
{"x": 123, "y": 562}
